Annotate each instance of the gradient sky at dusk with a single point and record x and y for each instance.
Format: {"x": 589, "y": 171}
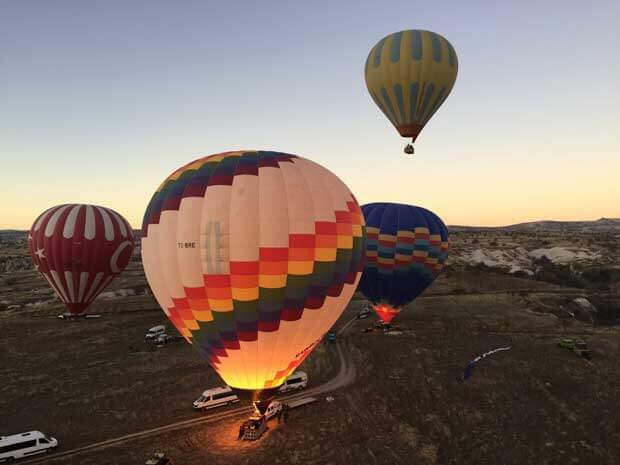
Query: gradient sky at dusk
{"x": 100, "y": 101}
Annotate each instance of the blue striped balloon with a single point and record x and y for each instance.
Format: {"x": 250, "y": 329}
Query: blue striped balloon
{"x": 406, "y": 247}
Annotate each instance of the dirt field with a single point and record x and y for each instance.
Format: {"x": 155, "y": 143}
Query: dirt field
{"x": 93, "y": 380}
{"x": 534, "y": 404}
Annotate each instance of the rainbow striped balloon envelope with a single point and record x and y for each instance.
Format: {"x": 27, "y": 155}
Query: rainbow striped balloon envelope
{"x": 406, "y": 248}
{"x": 253, "y": 255}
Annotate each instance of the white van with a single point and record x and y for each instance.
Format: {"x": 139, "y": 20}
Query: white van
{"x": 216, "y": 397}
{"x": 25, "y": 444}
{"x": 155, "y": 331}
{"x": 297, "y": 380}
{"x": 272, "y": 410}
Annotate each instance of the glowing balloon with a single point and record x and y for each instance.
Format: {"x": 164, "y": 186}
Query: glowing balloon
{"x": 409, "y": 75}
{"x": 406, "y": 247}
{"x": 253, "y": 256}
{"x": 79, "y": 249}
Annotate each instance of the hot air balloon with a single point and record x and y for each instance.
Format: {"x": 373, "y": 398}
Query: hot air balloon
{"x": 406, "y": 247}
{"x": 253, "y": 256}
{"x": 409, "y": 74}
{"x": 79, "y": 249}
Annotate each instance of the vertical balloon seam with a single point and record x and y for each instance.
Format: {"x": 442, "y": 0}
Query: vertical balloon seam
{"x": 273, "y": 362}
{"x": 392, "y": 282}
{"x": 312, "y": 201}
{"x": 367, "y": 214}
{"x": 260, "y": 156}
{"x": 388, "y": 103}
{"x": 395, "y": 47}
{"x": 190, "y": 171}
{"x": 377, "y": 282}
{"x": 390, "y": 70}
{"x": 252, "y": 376}
{"x": 323, "y": 311}
{"x": 244, "y": 375}
{"x": 74, "y": 272}
{"x": 221, "y": 316}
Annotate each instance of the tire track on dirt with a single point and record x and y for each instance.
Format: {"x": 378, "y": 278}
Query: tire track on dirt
{"x": 345, "y": 376}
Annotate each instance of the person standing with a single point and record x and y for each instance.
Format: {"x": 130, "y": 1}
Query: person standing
{"x": 285, "y": 413}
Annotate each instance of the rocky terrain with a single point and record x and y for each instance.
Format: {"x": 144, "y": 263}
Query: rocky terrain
{"x": 92, "y": 380}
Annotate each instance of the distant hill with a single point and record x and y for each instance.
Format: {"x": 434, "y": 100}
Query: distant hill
{"x": 15, "y": 235}
{"x": 601, "y": 225}
{"x": 12, "y": 235}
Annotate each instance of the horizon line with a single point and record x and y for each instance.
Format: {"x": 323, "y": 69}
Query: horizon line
{"x": 473, "y": 226}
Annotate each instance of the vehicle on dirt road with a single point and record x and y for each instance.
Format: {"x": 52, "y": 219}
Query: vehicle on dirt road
{"x": 331, "y": 337}
{"x": 158, "y": 458}
{"x": 579, "y": 347}
{"x": 152, "y": 334}
{"x": 364, "y": 313}
{"x": 216, "y": 397}
{"x": 274, "y": 408}
{"x": 162, "y": 339}
{"x": 166, "y": 338}
{"x": 567, "y": 344}
{"x": 26, "y": 444}
{"x": 296, "y": 381}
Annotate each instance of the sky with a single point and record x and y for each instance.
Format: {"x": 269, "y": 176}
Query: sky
{"x": 100, "y": 101}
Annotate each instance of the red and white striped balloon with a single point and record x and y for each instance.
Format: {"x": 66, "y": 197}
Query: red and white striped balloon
{"x": 79, "y": 249}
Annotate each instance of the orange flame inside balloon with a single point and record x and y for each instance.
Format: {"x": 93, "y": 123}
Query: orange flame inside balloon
{"x": 386, "y": 312}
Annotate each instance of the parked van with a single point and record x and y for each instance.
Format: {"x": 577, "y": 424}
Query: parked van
{"x": 216, "y": 397}
{"x": 155, "y": 331}
{"x": 272, "y": 410}
{"x": 25, "y": 444}
{"x": 297, "y": 380}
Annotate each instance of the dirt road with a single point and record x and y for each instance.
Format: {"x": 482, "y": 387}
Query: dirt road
{"x": 344, "y": 377}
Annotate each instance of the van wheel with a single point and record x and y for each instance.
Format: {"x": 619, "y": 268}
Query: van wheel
{"x": 10, "y": 459}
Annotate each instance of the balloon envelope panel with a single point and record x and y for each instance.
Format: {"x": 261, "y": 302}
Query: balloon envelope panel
{"x": 253, "y": 255}
{"x": 406, "y": 247}
{"x": 409, "y": 74}
{"x": 79, "y": 249}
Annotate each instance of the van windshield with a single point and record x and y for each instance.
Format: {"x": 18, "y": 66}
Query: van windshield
{"x": 201, "y": 399}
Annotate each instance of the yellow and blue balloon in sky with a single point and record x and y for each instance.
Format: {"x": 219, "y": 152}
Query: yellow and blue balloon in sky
{"x": 409, "y": 75}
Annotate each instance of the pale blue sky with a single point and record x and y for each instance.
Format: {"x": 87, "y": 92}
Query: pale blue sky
{"x": 100, "y": 101}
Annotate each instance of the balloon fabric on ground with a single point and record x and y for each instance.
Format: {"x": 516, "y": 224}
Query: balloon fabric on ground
{"x": 467, "y": 373}
{"x": 79, "y": 250}
{"x": 406, "y": 247}
{"x": 253, "y": 255}
{"x": 409, "y": 74}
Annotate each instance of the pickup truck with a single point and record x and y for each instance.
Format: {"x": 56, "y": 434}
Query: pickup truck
{"x": 579, "y": 347}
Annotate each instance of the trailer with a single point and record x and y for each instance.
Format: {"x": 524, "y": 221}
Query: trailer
{"x": 301, "y": 402}
{"x": 253, "y": 428}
